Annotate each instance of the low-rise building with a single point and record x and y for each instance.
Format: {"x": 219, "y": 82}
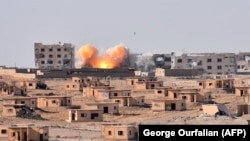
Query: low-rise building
{"x": 29, "y": 132}
{"x": 223, "y": 83}
{"x": 188, "y": 94}
{"x": 168, "y": 104}
{"x": 87, "y": 114}
{"x": 119, "y": 131}
{"x": 105, "y": 106}
{"x": 53, "y": 101}
{"x": 29, "y": 101}
{"x": 9, "y": 90}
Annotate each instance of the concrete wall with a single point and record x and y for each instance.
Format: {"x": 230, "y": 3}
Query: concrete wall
{"x": 31, "y": 102}
{"x": 240, "y": 91}
{"x": 53, "y": 101}
{"x": 165, "y": 105}
{"x": 113, "y": 108}
{"x": 8, "y": 111}
{"x": 73, "y": 86}
{"x": 12, "y": 72}
{"x": 81, "y": 115}
{"x": 33, "y": 133}
{"x": 119, "y": 133}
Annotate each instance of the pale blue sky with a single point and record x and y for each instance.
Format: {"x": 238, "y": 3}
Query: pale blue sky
{"x": 161, "y": 26}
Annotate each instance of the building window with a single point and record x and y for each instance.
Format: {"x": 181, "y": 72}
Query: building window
{"x": 184, "y": 97}
{"x": 179, "y": 60}
{"x": 30, "y": 84}
{"x": 50, "y": 62}
{"x": 59, "y": 62}
{"x": 65, "y": 55}
{"x": 175, "y": 95}
{"x": 42, "y": 49}
{"x": 117, "y": 101}
{"x": 159, "y": 92}
{"x": 33, "y": 102}
{"x": 120, "y": 133}
{"x": 114, "y": 107}
{"x": 42, "y": 62}
{"x": 45, "y": 134}
{"x": 130, "y": 133}
{"x": 53, "y": 101}
{"x": 3, "y": 131}
{"x": 10, "y": 110}
{"x": 209, "y": 60}
{"x": 58, "y": 55}
{"x": 209, "y": 67}
{"x": 50, "y": 56}
{"x": 115, "y": 94}
{"x": 219, "y": 60}
{"x": 110, "y": 133}
{"x": 68, "y": 101}
{"x": 65, "y": 49}
{"x": 13, "y": 134}
{"x": 58, "y": 49}
{"x": 189, "y": 60}
{"x": 82, "y": 114}
{"x": 200, "y": 84}
{"x": 219, "y": 67}
{"x": 199, "y": 63}
{"x": 22, "y": 102}
{"x": 51, "y": 49}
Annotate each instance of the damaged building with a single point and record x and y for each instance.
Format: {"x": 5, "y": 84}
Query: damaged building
{"x": 56, "y": 56}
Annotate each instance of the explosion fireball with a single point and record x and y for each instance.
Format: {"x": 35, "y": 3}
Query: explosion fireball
{"x": 112, "y": 59}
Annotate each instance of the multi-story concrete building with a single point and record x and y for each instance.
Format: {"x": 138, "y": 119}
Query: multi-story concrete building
{"x": 54, "y": 55}
{"x": 211, "y": 63}
{"x": 243, "y": 62}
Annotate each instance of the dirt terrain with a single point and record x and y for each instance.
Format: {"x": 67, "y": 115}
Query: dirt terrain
{"x": 64, "y": 131}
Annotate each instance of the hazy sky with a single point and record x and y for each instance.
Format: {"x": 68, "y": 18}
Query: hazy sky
{"x": 161, "y": 26}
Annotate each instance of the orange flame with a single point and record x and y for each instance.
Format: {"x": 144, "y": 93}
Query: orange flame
{"x": 112, "y": 59}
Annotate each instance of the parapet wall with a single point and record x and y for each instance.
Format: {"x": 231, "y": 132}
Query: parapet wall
{"x": 12, "y": 72}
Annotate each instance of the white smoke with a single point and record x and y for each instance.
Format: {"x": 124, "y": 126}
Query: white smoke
{"x": 145, "y": 62}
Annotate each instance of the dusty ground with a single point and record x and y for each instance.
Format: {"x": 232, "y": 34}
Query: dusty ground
{"x": 62, "y": 130}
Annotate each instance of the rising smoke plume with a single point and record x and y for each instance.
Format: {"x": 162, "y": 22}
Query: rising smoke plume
{"x": 113, "y": 57}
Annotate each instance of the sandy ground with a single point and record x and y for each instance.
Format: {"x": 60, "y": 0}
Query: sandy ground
{"x": 64, "y": 131}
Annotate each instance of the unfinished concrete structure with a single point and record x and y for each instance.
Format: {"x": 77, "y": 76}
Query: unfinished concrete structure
{"x": 105, "y": 106}
{"x": 119, "y": 131}
{"x": 29, "y": 101}
{"x": 33, "y": 84}
{"x": 221, "y": 83}
{"x": 54, "y": 55}
{"x": 53, "y": 101}
{"x": 242, "y": 90}
{"x": 78, "y": 83}
{"x": 188, "y": 94}
{"x": 131, "y": 81}
{"x": 168, "y": 104}
{"x": 28, "y": 132}
{"x": 73, "y": 86}
{"x": 99, "y": 92}
{"x": 12, "y": 90}
{"x": 123, "y": 97}
{"x": 86, "y": 114}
